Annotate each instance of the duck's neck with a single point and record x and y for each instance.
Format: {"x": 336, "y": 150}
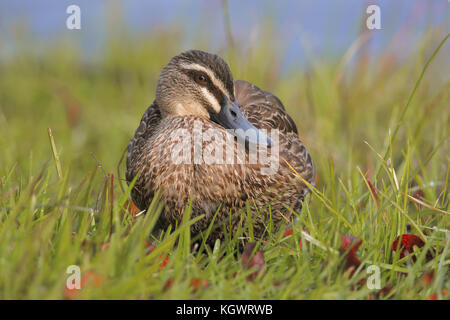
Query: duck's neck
{"x": 181, "y": 109}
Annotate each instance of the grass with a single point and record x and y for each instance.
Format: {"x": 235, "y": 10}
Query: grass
{"x": 378, "y": 134}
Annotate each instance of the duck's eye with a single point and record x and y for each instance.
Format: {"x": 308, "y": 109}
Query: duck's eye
{"x": 200, "y": 78}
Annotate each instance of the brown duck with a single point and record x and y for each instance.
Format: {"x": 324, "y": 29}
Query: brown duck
{"x": 198, "y": 140}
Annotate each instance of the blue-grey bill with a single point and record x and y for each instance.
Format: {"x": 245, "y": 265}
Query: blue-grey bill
{"x": 231, "y": 117}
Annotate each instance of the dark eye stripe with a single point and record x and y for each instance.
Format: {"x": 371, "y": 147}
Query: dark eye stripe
{"x": 215, "y": 91}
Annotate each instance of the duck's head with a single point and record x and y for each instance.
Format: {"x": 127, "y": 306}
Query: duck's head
{"x": 201, "y": 84}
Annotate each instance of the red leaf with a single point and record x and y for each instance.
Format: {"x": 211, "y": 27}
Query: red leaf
{"x": 385, "y": 291}
{"x": 130, "y": 208}
{"x": 406, "y": 245}
{"x": 164, "y": 262}
{"x": 428, "y": 277}
{"x": 434, "y": 295}
{"x": 150, "y": 248}
{"x": 256, "y": 261}
{"x": 168, "y": 284}
{"x": 89, "y": 278}
{"x": 196, "y": 283}
{"x": 351, "y": 245}
{"x": 288, "y": 232}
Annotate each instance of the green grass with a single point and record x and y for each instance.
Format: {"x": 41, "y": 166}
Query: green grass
{"x": 58, "y": 207}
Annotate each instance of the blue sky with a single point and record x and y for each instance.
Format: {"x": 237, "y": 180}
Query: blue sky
{"x": 328, "y": 26}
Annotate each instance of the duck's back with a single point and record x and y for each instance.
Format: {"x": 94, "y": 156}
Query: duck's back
{"x": 263, "y": 109}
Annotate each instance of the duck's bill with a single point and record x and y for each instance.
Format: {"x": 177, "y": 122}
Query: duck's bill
{"x": 231, "y": 117}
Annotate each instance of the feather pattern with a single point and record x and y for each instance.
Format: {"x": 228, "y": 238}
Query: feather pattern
{"x": 226, "y": 187}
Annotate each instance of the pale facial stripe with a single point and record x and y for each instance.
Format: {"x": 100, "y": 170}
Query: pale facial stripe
{"x": 211, "y": 99}
{"x": 215, "y": 81}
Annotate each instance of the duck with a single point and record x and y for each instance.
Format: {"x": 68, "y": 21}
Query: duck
{"x": 223, "y": 147}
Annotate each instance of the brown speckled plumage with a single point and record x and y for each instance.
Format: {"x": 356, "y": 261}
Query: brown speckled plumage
{"x": 212, "y": 185}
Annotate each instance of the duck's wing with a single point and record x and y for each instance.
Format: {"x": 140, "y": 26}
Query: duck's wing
{"x": 262, "y": 109}
{"x": 149, "y": 121}
{"x": 265, "y": 111}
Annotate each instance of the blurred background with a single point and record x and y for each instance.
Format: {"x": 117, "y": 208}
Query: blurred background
{"x": 342, "y": 83}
